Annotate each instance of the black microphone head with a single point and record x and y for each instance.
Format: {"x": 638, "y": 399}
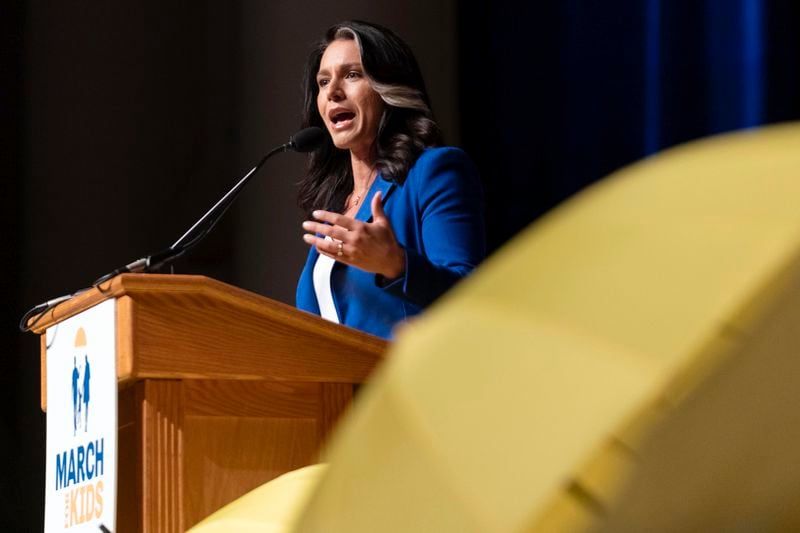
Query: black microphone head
{"x": 306, "y": 140}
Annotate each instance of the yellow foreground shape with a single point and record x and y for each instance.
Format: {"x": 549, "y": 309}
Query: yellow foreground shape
{"x": 271, "y": 508}
{"x": 629, "y": 363}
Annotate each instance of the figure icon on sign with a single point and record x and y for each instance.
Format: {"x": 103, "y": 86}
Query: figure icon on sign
{"x": 75, "y": 399}
{"x": 80, "y": 390}
{"x": 85, "y": 397}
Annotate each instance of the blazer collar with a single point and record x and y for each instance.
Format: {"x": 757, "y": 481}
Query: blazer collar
{"x": 364, "y": 213}
{"x": 386, "y": 187}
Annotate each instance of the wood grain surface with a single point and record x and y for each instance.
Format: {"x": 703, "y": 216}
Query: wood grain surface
{"x": 220, "y": 390}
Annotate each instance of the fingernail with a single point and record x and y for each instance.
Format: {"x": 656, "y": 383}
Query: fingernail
{"x": 316, "y": 213}
{"x": 308, "y": 238}
{"x": 307, "y": 225}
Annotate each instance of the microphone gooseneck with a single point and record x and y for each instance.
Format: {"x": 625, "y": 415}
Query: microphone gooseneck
{"x": 305, "y": 140}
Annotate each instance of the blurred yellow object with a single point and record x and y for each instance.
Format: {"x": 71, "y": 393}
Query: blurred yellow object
{"x": 271, "y": 508}
{"x": 629, "y": 363}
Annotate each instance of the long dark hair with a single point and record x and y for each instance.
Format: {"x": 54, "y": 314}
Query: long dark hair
{"x": 406, "y": 127}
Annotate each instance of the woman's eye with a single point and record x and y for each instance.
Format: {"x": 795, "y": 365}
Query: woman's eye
{"x": 353, "y": 74}
{"x": 322, "y": 82}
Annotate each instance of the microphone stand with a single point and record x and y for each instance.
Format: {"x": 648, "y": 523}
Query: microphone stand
{"x": 197, "y": 232}
{"x": 303, "y": 141}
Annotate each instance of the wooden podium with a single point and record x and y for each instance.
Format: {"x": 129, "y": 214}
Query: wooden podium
{"x": 220, "y": 390}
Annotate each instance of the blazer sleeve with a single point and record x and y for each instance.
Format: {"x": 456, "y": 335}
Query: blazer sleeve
{"x": 449, "y": 207}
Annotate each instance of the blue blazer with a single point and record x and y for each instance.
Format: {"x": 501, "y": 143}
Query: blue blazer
{"x": 437, "y": 217}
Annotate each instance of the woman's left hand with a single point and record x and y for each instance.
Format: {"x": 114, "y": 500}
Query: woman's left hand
{"x": 370, "y": 246}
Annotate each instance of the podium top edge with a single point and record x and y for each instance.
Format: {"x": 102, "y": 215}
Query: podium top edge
{"x": 139, "y": 286}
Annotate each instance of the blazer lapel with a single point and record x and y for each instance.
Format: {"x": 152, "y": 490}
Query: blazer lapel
{"x": 385, "y": 186}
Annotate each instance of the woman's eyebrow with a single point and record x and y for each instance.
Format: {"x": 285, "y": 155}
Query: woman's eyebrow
{"x": 344, "y": 66}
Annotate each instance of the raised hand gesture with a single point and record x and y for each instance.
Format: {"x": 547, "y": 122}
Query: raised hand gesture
{"x": 370, "y": 246}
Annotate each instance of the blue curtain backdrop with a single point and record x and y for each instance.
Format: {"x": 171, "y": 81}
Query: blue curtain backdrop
{"x": 556, "y": 96}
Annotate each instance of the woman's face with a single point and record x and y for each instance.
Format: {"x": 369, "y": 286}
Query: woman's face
{"x": 349, "y": 107}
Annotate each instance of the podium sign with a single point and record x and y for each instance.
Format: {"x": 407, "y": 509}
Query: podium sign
{"x": 80, "y": 490}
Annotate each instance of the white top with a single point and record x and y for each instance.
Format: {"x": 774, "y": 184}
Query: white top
{"x": 322, "y": 286}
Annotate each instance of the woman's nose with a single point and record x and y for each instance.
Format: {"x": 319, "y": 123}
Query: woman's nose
{"x": 335, "y": 92}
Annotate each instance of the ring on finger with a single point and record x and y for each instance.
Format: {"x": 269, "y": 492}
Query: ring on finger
{"x": 340, "y": 252}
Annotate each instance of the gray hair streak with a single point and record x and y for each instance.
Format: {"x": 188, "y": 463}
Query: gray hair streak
{"x": 393, "y": 94}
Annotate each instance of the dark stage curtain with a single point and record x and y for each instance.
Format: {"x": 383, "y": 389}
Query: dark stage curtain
{"x": 15, "y": 489}
{"x": 556, "y": 95}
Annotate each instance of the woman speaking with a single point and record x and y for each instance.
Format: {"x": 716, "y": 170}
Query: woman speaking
{"x": 396, "y": 219}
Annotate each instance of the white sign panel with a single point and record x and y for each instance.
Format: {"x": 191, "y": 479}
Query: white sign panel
{"x": 81, "y": 480}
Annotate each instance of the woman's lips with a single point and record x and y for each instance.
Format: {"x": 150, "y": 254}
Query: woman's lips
{"x": 342, "y": 124}
{"x": 341, "y": 119}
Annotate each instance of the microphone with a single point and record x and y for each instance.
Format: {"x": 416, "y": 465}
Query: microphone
{"x": 305, "y": 140}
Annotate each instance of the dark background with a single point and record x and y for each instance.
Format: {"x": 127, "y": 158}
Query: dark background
{"x": 123, "y": 123}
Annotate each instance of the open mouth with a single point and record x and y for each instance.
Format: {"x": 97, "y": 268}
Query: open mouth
{"x": 342, "y": 116}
